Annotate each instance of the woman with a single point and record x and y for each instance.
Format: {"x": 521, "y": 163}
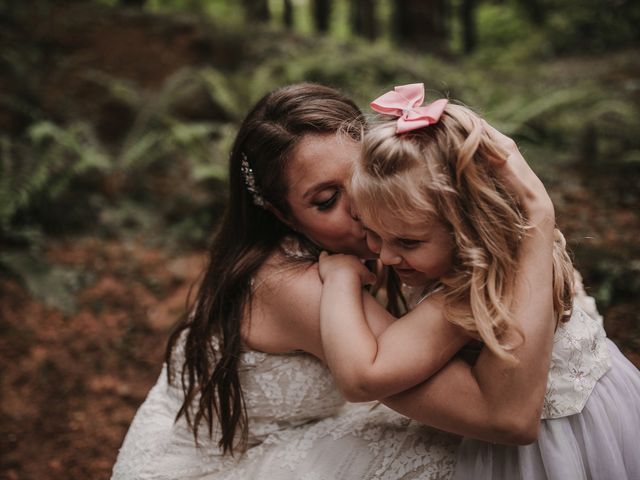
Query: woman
{"x": 245, "y": 393}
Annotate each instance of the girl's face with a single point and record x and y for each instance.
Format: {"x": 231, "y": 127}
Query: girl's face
{"x": 317, "y": 176}
{"x": 419, "y": 254}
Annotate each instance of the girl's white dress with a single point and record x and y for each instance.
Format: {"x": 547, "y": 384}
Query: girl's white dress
{"x": 591, "y": 415}
{"x": 299, "y": 429}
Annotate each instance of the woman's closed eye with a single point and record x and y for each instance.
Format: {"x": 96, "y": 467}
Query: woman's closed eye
{"x": 326, "y": 204}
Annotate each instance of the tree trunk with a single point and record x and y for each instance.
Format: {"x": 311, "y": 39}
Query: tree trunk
{"x": 421, "y": 24}
{"x": 363, "y": 18}
{"x": 287, "y": 14}
{"x": 468, "y": 20}
{"x": 256, "y": 10}
{"x": 322, "y": 15}
{"x": 534, "y": 10}
{"x": 133, "y": 3}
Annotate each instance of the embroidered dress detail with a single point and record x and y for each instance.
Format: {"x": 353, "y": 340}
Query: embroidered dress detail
{"x": 579, "y": 359}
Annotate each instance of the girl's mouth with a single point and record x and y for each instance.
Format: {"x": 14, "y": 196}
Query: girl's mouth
{"x": 404, "y": 271}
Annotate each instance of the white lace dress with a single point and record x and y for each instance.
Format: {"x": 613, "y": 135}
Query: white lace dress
{"x": 299, "y": 428}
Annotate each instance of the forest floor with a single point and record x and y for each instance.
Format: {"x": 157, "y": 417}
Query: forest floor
{"x": 71, "y": 382}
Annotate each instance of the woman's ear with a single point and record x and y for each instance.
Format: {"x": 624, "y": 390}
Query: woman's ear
{"x": 279, "y": 215}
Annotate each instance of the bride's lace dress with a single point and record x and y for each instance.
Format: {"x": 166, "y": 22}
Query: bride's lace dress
{"x": 299, "y": 428}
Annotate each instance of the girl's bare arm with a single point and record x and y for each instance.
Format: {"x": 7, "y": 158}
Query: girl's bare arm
{"x": 367, "y": 366}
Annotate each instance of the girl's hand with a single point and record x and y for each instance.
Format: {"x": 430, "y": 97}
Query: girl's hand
{"x": 517, "y": 173}
{"x": 329, "y": 265}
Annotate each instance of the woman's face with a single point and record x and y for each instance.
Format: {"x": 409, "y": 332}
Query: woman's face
{"x": 318, "y": 176}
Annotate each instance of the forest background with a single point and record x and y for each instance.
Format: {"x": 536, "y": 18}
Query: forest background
{"x": 115, "y": 122}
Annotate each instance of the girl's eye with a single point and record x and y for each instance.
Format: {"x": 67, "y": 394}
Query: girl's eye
{"x": 328, "y": 203}
{"x": 408, "y": 242}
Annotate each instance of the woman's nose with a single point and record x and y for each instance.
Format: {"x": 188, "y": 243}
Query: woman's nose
{"x": 388, "y": 256}
{"x": 354, "y": 214}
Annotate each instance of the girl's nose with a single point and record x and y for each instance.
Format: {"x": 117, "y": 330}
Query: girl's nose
{"x": 388, "y": 256}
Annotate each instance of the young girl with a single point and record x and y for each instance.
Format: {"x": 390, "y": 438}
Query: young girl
{"x": 435, "y": 210}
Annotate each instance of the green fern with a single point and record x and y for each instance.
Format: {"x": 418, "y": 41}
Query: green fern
{"x": 43, "y": 164}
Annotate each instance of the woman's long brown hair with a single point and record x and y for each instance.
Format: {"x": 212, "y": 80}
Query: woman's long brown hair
{"x": 247, "y": 236}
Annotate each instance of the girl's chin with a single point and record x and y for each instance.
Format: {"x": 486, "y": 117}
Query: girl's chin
{"x": 411, "y": 282}
{"x": 412, "y": 278}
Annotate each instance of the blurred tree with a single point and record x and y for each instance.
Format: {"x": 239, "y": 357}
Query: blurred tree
{"x": 322, "y": 15}
{"x": 133, "y": 3}
{"x": 256, "y": 10}
{"x": 421, "y": 24}
{"x": 534, "y": 10}
{"x": 592, "y": 25}
{"x": 363, "y": 18}
{"x": 468, "y": 21}
{"x": 287, "y": 14}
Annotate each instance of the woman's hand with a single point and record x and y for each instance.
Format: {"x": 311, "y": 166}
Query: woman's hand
{"x": 341, "y": 264}
{"x": 517, "y": 173}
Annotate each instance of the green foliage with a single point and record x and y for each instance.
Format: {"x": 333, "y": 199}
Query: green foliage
{"x": 231, "y": 12}
{"x": 592, "y": 25}
{"x": 559, "y": 116}
{"x": 53, "y": 171}
{"x": 616, "y": 277}
{"x": 41, "y": 167}
{"x": 506, "y": 37}
{"x": 361, "y": 70}
{"x": 166, "y": 164}
{"x": 53, "y": 285}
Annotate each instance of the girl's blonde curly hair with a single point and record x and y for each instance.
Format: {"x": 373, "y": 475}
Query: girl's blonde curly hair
{"x": 447, "y": 172}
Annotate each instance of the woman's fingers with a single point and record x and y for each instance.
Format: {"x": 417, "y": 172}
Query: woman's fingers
{"x": 500, "y": 138}
{"x": 517, "y": 173}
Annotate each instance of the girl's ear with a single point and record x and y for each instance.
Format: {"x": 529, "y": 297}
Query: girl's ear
{"x": 279, "y": 215}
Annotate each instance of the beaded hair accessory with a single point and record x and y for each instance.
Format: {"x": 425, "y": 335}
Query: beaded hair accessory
{"x": 250, "y": 181}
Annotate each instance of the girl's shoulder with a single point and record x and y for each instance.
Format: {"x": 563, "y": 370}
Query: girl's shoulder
{"x": 414, "y": 296}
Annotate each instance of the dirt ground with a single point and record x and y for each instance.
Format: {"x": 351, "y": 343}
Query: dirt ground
{"x": 71, "y": 384}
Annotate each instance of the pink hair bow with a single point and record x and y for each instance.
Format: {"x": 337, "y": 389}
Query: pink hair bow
{"x": 405, "y": 101}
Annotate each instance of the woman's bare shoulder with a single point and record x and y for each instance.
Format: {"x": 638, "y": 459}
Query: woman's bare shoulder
{"x": 285, "y": 307}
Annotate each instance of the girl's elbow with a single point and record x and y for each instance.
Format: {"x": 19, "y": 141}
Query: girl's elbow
{"x": 360, "y": 389}
{"x": 358, "y": 393}
{"x": 356, "y": 396}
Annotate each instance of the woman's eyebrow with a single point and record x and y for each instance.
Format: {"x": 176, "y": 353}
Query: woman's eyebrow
{"x": 318, "y": 187}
